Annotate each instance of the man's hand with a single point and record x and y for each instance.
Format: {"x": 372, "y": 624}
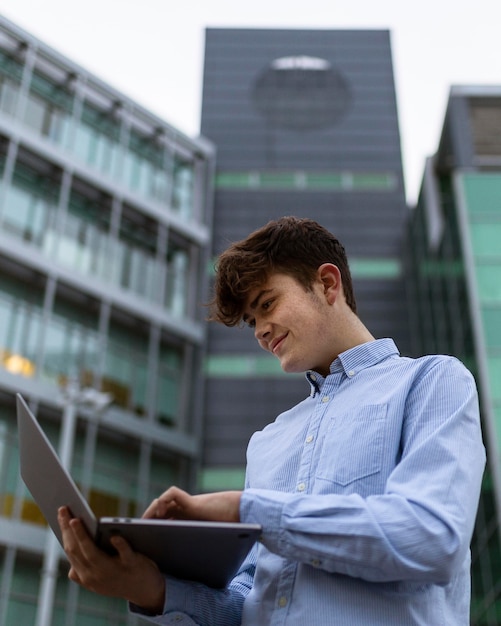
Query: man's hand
{"x": 127, "y": 575}
{"x": 222, "y": 506}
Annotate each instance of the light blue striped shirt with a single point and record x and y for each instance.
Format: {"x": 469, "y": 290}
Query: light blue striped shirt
{"x": 367, "y": 492}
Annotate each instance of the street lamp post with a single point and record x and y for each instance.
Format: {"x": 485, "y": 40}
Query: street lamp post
{"x": 73, "y": 396}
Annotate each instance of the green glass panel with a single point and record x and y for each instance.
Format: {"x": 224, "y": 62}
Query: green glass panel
{"x": 56, "y": 94}
{"x": 10, "y": 67}
{"x": 22, "y": 603}
{"x": 373, "y": 181}
{"x": 96, "y": 610}
{"x": 284, "y": 180}
{"x": 169, "y": 385}
{"x": 483, "y": 193}
{"x": 486, "y": 239}
{"x": 164, "y": 472}
{"x": 491, "y": 318}
{"x": 375, "y": 268}
{"x": 280, "y": 179}
{"x": 221, "y": 478}
{"x": 232, "y": 179}
{"x": 497, "y": 411}
{"x": 441, "y": 268}
{"x": 494, "y": 367}
{"x": 324, "y": 181}
{"x": 489, "y": 282}
{"x": 21, "y": 611}
{"x": 243, "y": 366}
{"x": 115, "y": 469}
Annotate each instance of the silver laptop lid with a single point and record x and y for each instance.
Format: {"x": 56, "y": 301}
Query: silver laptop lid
{"x": 48, "y": 482}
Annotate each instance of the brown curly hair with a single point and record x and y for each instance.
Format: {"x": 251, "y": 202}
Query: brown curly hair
{"x": 290, "y": 245}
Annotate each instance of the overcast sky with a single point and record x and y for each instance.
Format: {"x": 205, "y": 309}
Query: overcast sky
{"x": 152, "y": 50}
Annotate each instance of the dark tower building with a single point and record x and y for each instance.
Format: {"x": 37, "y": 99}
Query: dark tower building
{"x": 305, "y": 123}
{"x": 454, "y": 258}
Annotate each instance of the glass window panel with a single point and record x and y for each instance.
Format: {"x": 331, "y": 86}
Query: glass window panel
{"x": 182, "y": 199}
{"x": 139, "y": 270}
{"x": 35, "y": 113}
{"x": 494, "y": 367}
{"x": 168, "y": 386}
{"x": 18, "y": 354}
{"x": 71, "y": 343}
{"x": 115, "y": 472}
{"x": 9, "y": 462}
{"x": 145, "y": 167}
{"x": 492, "y": 327}
{"x": 56, "y": 360}
{"x": 486, "y": 239}
{"x": 132, "y": 171}
{"x": 20, "y": 325}
{"x": 10, "y": 78}
{"x": 30, "y": 205}
{"x": 97, "y": 139}
{"x": 83, "y": 244}
{"x": 5, "y": 320}
{"x": 489, "y": 283}
{"x": 48, "y": 109}
{"x": 160, "y": 185}
{"x": 177, "y": 282}
{"x": 164, "y": 471}
{"x": 126, "y": 367}
{"x": 8, "y": 96}
{"x": 221, "y": 479}
{"x": 483, "y": 192}
{"x": 26, "y": 215}
{"x": 84, "y": 138}
{"x": 22, "y": 604}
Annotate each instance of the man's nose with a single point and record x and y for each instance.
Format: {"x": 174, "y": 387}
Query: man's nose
{"x": 261, "y": 330}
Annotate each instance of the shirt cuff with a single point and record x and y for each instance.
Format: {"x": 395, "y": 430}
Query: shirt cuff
{"x": 178, "y": 602}
{"x": 264, "y": 507}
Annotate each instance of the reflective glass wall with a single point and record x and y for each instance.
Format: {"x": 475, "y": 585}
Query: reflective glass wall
{"x": 454, "y": 267}
{"x": 105, "y": 228}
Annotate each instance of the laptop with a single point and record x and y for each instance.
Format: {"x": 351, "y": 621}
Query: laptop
{"x": 206, "y": 552}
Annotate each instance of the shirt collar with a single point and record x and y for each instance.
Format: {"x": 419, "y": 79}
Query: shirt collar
{"x": 354, "y": 360}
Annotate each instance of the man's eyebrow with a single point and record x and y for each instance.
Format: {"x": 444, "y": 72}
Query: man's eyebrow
{"x": 253, "y": 305}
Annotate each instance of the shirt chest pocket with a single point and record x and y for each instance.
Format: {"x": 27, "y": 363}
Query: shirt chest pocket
{"x": 353, "y": 445}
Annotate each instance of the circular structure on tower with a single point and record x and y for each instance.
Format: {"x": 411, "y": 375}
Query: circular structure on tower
{"x": 301, "y": 93}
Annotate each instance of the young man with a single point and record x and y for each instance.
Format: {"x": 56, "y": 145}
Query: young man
{"x": 367, "y": 490}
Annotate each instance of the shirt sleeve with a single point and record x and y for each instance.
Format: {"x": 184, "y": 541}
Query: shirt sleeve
{"x": 194, "y": 604}
{"x": 420, "y": 527}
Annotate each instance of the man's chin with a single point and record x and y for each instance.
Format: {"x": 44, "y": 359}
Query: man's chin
{"x": 291, "y": 368}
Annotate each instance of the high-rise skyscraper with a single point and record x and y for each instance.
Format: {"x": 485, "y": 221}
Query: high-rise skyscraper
{"x": 305, "y": 123}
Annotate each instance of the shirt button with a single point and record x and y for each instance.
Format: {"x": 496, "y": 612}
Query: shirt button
{"x": 301, "y": 487}
{"x": 282, "y": 602}
{"x": 309, "y": 439}
{"x": 351, "y": 373}
{"x": 315, "y": 562}
{"x": 313, "y": 377}
{"x": 325, "y": 399}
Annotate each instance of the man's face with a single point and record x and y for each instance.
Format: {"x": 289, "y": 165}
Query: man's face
{"x": 292, "y": 323}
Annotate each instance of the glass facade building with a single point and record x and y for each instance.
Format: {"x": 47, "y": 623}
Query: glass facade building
{"x": 105, "y": 230}
{"x": 454, "y": 264}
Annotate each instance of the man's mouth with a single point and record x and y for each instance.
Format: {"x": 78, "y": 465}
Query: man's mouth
{"x": 276, "y": 343}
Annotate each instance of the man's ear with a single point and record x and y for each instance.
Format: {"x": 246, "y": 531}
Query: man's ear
{"x": 330, "y": 277}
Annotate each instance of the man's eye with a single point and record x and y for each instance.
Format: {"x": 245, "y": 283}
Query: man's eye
{"x": 267, "y": 304}
{"x": 249, "y": 322}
